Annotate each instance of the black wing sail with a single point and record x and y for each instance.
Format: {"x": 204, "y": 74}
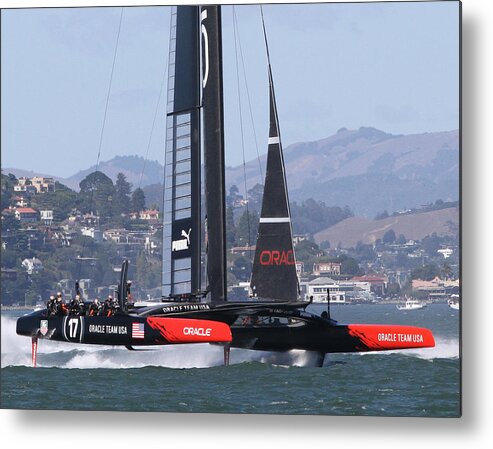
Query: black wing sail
{"x": 274, "y": 267}
{"x": 181, "y": 224}
{"x": 213, "y": 120}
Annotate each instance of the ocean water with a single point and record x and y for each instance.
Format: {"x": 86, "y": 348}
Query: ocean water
{"x": 191, "y": 378}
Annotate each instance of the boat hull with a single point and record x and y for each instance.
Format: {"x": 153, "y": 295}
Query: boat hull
{"x": 124, "y": 330}
{"x": 333, "y": 338}
{"x": 257, "y": 326}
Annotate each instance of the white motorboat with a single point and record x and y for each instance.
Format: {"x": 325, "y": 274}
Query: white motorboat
{"x": 411, "y": 304}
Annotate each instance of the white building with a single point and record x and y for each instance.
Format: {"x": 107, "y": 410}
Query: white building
{"x": 46, "y": 217}
{"x": 341, "y": 292}
{"x": 318, "y": 289}
{"x": 446, "y": 252}
{"x": 95, "y": 234}
{"x": 32, "y": 265}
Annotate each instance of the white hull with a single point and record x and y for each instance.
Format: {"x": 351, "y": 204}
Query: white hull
{"x": 411, "y": 305}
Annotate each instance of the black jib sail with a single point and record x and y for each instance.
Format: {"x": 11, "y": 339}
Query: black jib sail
{"x": 274, "y": 267}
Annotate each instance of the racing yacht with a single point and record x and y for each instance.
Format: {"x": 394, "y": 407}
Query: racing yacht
{"x": 194, "y": 305}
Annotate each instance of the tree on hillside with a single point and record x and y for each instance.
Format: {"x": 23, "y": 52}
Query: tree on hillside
{"x": 233, "y": 196}
{"x": 255, "y": 197}
{"x": 431, "y": 244}
{"x": 246, "y": 231}
{"x": 61, "y": 201}
{"x": 426, "y": 272}
{"x": 349, "y": 265}
{"x": 389, "y": 237}
{"x": 313, "y": 216}
{"x": 382, "y": 215}
{"x": 138, "y": 200}
{"x": 306, "y": 251}
{"x": 7, "y": 189}
{"x": 97, "y": 194}
{"x": 123, "y": 190}
{"x": 230, "y": 228}
{"x": 401, "y": 239}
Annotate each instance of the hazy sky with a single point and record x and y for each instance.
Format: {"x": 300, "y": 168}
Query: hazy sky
{"x": 394, "y": 66}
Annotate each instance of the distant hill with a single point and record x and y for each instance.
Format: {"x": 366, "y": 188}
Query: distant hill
{"x": 414, "y": 226}
{"x": 19, "y": 172}
{"x": 131, "y": 166}
{"x": 369, "y": 170}
{"x": 366, "y": 169}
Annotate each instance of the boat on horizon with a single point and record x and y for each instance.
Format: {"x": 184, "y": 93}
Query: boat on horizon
{"x": 194, "y": 306}
{"x": 454, "y": 302}
{"x": 411, "y": 304}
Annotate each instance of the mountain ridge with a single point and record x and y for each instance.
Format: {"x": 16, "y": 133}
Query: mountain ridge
{"x": 366, "y": 169}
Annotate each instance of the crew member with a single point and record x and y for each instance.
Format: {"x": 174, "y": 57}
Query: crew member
{"x": 60, "y": 306}
{"x": 129, "y": 294}
{"x": 95, "y": 308}
{"x": 108, "y": 306}
{"x": 76, "y": 306}
{"x": 51, "y": 305}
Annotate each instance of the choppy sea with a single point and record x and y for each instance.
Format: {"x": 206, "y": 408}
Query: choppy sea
{"x": 191, "y": 378}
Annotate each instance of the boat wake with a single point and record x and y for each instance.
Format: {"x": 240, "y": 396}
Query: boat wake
{"x": 16, "y": 351}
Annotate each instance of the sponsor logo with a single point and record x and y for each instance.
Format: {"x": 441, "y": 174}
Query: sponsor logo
{"x": 43, "y": 327}
{"x": 275, "y": 257}
{"x": 185, "y": 308}
{"x": 406, "y": 338}
{"x": 179, "y": 245}
{"x": 202, "y": 332}
{"x": 205, "y": 38}
{"x": 107, "y": 329}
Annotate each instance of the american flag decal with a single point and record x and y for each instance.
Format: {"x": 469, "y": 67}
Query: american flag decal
{"x": 137, "y": 330}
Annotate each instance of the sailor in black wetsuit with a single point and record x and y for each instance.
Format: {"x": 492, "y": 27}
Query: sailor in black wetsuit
{"x": 95, "y": 308}
{"x": 108, "y": 306}
{"x": 51, "y": 305}
{"x": 60, "y": 306}
{"x": 77, "y": 306}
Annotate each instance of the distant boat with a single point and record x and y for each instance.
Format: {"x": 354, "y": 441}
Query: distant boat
{"x": 454, "y": 302}
{"x": 411, "y": 304}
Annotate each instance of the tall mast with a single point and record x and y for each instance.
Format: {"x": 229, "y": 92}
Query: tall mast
{"x": 214, "y": 165}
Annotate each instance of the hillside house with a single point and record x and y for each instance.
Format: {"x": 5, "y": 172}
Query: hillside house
{"x": 378, "y": 283}
{"x": 150, "y": 214}
{"x": 43, "y": 185}
{"x": 243, "y": 250}
{"x": 300, "y": 268}
{"x": 94, "y": 233}
{"x": 26, "y": 214}
{"x": 445, "y": 252}
{"x": 327, "y": 268}
{"x": 24, "y": 185}
{"x": 19, "y": 201}
{"x": 46, "y": 216}
{"x": 33, "y": 265}
{"x": 436, "y": 288}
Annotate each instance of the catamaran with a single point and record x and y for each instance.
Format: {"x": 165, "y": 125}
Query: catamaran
{"x": 194, "y": 305}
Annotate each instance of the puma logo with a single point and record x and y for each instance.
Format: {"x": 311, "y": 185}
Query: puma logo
{"x": 187, "y": 236}
{"x": 182, "y": 244}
